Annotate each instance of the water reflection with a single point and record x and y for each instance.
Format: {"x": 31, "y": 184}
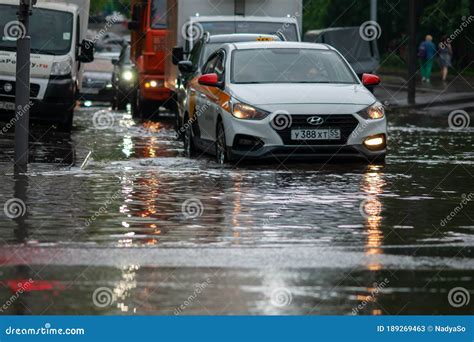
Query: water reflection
{"x": 139, "y": 176}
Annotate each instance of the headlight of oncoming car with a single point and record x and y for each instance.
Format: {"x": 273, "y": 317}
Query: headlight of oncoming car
{"x": 127, "y": 75}
{"x": 373, "y": 112}
{"x": 247, "y": 112}
{"x": 62, "y": 68}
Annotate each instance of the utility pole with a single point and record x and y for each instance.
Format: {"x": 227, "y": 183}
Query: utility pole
{"x": 373, "y": 10}
{"x": 22, "y": 88}
{"x": 412, "y": 55}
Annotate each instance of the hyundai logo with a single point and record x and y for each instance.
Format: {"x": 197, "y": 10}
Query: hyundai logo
{"x": 8, "y": 87}
{"x": 315, "y": 120}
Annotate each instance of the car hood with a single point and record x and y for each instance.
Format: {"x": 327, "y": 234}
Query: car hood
{"x": 287, "y": 96}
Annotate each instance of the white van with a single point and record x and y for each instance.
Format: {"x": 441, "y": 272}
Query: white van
{"x": 58, "y": 51}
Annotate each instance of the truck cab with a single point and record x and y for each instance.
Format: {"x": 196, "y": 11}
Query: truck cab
{"x": 58, "y": 51}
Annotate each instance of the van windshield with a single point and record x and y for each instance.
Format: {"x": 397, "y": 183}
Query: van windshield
{"x": 229, "y": 27}
{"x": 50, "y": 31}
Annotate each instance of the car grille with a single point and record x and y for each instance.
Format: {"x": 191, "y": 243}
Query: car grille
{"x": 347, "y": 123}
{"x": 34, "y": 89}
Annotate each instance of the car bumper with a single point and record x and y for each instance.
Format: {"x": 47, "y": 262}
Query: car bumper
{"x": 104, "y": 95}
{"x": 274, "y": 143}
{"x": 58, "y": 100}
{"x": 159, "y": 93}
{"x": 308, "y": 153}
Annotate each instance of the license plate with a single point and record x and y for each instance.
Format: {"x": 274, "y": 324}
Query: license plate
{"x": 7, "y": 105}
{"x": 316, "y": 134}
{"x": 90, "y": 91}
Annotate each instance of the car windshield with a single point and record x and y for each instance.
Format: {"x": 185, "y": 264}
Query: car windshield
{"x": 50, "y": 31}
{"x": 289, "y": 66}
{"x": 102, "y": 65}
{"x": 229, "y": 27}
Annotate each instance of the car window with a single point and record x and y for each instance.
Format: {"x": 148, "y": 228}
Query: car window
{"x": 210, "y": 65}
{"x": 219, "y": 67}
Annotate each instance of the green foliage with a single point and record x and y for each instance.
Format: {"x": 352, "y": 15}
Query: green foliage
{"x": 100, "y": 6}
{"x": 436, "y": 17}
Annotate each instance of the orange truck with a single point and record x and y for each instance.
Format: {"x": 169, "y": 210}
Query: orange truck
{"x": 163, "y": 33}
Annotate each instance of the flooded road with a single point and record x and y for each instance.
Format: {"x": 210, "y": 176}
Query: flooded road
{"x": 144, "y": 230}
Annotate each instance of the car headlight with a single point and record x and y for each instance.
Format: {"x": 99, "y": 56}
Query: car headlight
{"x": 127, "y": 75}
{"x": 247, "y": 112}
{"x": 373, "y": 112}
{"x": 62, "y": 68}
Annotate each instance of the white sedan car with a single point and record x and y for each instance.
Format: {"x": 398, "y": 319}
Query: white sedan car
{"x": 283, "y": 100}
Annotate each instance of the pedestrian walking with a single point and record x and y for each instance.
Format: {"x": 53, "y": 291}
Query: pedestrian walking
{"x": 426, "y": 53}
{"x": 445, "y": 57}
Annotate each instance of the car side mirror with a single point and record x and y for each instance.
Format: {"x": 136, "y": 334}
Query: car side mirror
{"x": 210, "y": 80}
{"x": 370, "y": 80}
{"x": 87, "y": 51}
{"x": 115, "y": 61}
{"x": 178, "y": 55}
{"x": 186, "y": 67}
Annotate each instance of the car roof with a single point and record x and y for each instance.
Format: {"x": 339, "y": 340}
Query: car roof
{"x": 280, "y": 45}
{"x": 239, "y": 37}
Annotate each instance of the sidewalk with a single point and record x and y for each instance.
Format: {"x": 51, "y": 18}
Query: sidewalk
{"x": 456, "y": 93}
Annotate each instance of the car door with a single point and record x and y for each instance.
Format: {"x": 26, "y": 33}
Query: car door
{"x": 203, "y": 97}
{"x": 215, "y": 96}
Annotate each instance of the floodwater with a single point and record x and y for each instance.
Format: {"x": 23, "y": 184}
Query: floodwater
{"x": 143, "y": 230}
